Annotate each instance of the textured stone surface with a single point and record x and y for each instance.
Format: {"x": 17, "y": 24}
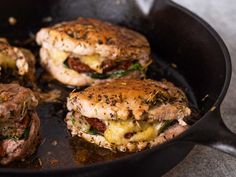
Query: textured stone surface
{"x": 204, "y": 161}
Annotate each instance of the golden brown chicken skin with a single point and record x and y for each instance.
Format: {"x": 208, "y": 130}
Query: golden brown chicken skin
{"x": 118, "y": 99}
{"x": 127, "y": 114}
{"x": 86, "y": 50}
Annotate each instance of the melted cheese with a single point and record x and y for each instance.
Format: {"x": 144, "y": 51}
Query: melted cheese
{"x": 7, "y": 61}
{"x": 58, "y": 57}
{"x": 93, "y": 61}
{"x": 116, "y": 130}
{"x": 146, "y": 134}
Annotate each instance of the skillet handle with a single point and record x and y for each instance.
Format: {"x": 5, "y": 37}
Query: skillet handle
{"x": 212, "y": 131}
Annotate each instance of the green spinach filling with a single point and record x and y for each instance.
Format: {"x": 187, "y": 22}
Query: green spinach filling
{"x": 24, "y": 136}
{"x": 117, "y": 73}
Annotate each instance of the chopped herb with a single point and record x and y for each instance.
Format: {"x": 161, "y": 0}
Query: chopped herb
{"x": 135, "y": 66}
{"x": 165, "y": 125}
{"x": 65, "y": 65}
{"x": 93, "y": 131}
{"x": 160, "y": 98}
{"x": 73, "y": 119}
{"x": 26, "y": 133}
{"x": 7, "y": 137}
{"x": 118, "y": 73}
{"x": 98, "y": 75}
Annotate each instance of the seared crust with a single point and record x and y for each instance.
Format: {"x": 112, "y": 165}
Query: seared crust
{"x": 15, "y": 101}
{"x": 123, "y": 99}
{"x": 86, "y": 36}
{"x": 19, "y": 149}
{"x": 17, "y": 58}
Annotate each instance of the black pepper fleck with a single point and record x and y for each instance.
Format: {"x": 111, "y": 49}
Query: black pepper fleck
{"x": 112, "y": 115}
{"x": 100, "y": 41}
{"x": 90, "y": 96}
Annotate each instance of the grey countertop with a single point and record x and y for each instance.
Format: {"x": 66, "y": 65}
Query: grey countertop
{"x": 204, "y": 161}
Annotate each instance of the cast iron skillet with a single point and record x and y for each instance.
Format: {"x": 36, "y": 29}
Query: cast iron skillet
{"x": 178, "y": 38}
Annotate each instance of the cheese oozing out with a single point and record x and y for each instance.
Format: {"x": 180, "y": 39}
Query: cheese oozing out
{"x": 142, "y": 131}
{"x": 94, "y": 61}
{"x": 10, "y": 62}
{"x": 116, "y": 130}
{"x": 58, "y": 57}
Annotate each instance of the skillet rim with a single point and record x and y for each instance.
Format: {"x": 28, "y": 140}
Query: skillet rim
{"x": 228, "y": 72}
{"x": 224, "y": 49}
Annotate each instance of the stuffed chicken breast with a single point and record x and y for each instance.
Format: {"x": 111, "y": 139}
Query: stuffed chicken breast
{"x": 128, "y": 115}
{"x": 15, "y": 62}
{"x": 19, "y": 123}
{"x": 86, "y": 51}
